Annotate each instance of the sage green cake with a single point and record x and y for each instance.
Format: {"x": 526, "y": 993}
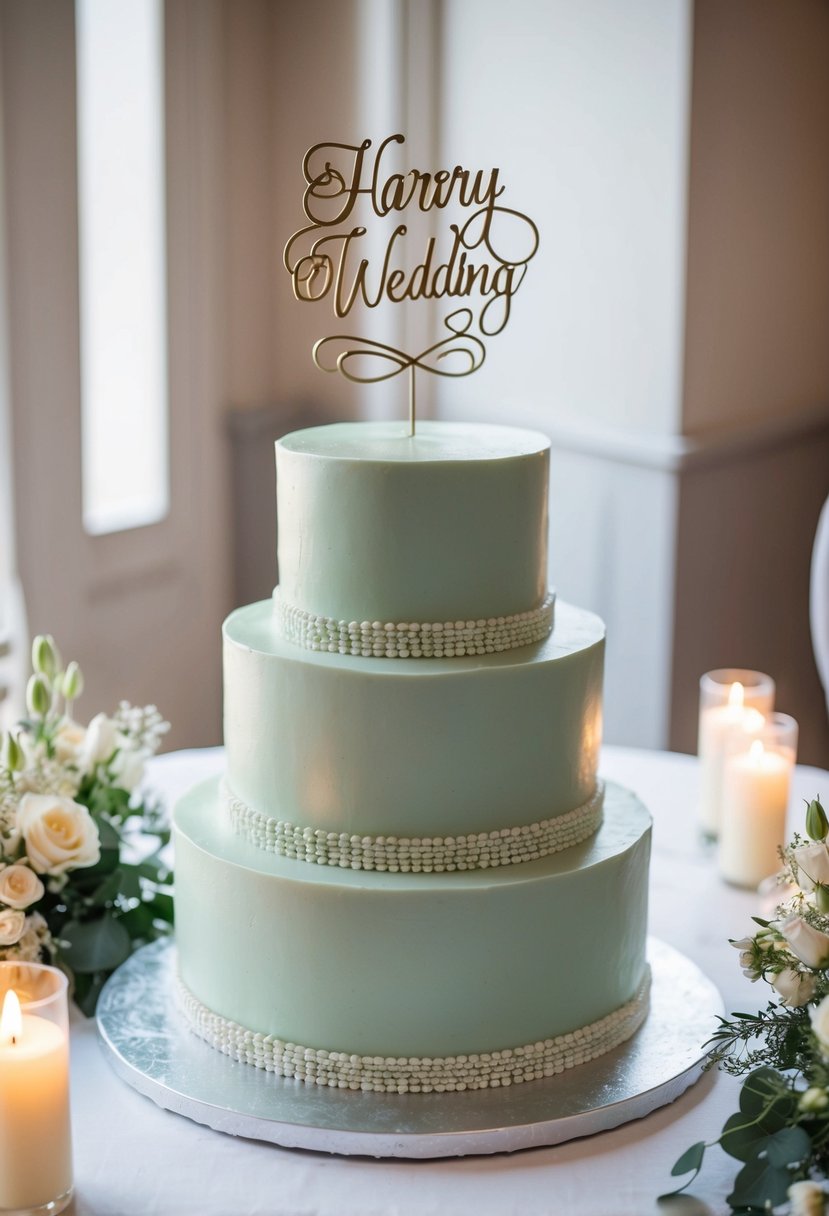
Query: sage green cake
{"x": 411, "y": 878}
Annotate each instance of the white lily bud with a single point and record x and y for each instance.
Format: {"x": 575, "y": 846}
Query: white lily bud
{"x": 72, "y": 683}
{"x": 45, "y": 657}
{"x": 38, "y": 696}
{"x": 807, "y": 943}
{"x": 11, "y": 754}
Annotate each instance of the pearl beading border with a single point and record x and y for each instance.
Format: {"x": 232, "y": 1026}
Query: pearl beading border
{"x": 414, "y": 640}
{"x": 414, "y": 1074}
{"x": 417, "y": 854}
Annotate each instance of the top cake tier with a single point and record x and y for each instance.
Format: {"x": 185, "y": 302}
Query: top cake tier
{"x": 377, "y": 525}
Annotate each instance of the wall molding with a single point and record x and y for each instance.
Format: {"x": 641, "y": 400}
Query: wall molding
{"x": 676, "y": 453}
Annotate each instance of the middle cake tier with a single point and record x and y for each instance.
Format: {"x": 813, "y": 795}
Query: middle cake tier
{"x": 342, "y": 744}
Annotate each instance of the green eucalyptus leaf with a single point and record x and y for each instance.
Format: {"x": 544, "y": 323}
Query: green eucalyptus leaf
{"x": 130, "y": 881}
{"x": 108, "y": 890}
{"x": 162, "y": 905}
{"x": 87, "y": 879}
{"x": 765, "y": 1095}
{"x": 138, "y": 922}
{"x": 87, "y": 990}
{"x": 691, "y": 1160}
{"x": 95, "y": 945}
{"x": 760, "y": 1184}
{"x": 107, "y": 835}
{"x": 743, "y": 1138}
{"x": 789, "y": 1146}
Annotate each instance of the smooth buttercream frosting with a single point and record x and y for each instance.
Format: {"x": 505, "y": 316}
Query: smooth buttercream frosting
{"x": 448, "y": 525}
{"x": 433, "y": 748}
{"x": 410, "y": 964}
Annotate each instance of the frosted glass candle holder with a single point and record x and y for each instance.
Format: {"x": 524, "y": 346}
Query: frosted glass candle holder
{"x": 35, "y": 1139}
{"x": 755, "y": 800}
{"x": 732, "y": 702}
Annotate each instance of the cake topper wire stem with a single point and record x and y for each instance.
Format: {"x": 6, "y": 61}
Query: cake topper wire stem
{"x": 412, "y": 371}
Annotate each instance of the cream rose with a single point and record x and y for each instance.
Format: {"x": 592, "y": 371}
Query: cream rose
{"x": 19, "y": 887}
{"x": 820, "y": 1025}
{"x": 812, "y": 861}
{"x": 100, "y": 742}
{"x": 70, "y": 738}
{"x": 59, "y": 834}
{"x": 809, "y": 944}
{"x": 12, "y": 924}
{"x": 795, "y": 987}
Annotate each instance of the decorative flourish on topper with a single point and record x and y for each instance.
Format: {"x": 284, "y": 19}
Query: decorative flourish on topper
{"x": 325, "y": 264}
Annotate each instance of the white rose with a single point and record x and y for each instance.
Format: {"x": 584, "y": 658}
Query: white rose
{"x": 12, "y": 923}
{"x": 127, "y": 768}
{"x": 819, "y": 1016}
{"x": 70, "y": 738}
{"x": 795, "y": 987}
{"x": 101, "y": 741}
{"x": 20, "y": 887}
{"x": 60, "y": 834}
{"x": 809, "y": 944}
{"x": 812, "y": 861}
{"x": 807, "y": 1199}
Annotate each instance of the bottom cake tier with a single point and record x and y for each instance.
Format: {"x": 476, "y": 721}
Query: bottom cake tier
{"x": 412, "y": 982}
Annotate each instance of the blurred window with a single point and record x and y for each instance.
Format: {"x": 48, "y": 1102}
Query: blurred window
{"x": 123, "y": 282}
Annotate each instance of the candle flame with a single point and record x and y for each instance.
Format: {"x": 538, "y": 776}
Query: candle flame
{"x": 757, "y": 752}
{"x": 736, "y": 695}
{"x": 11, "y": 1019}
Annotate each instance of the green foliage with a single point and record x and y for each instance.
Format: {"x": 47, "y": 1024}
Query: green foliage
{"x": 817, "y": 824}
{"x": 780, "y": 1134}
{"x": 94, "y": 915}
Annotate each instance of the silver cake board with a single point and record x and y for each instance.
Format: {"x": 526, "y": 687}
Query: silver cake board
{"x": 150, "y": 1046}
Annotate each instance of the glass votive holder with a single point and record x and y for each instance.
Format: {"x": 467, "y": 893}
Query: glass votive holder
{"x": 732, "y": 700}
{"x": 35, "y": 1138}
{"x": 757, "y": 778}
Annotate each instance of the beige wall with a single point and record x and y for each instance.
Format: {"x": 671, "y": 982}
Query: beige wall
{"x": 290, "y": 82}
{"x": 756, "y": 393}
{"x": 757, "y": 326}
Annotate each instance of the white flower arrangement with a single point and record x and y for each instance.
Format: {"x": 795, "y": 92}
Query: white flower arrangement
{"x": 68, "y": 798}
{"x": 781, "y": 1132}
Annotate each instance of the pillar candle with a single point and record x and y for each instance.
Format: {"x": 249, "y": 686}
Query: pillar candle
{"x": 718, "y": 724}
{"x": 35, "y": 1146}
{"x": 755, "y": 798}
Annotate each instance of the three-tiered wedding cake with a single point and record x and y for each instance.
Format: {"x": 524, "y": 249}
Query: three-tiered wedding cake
{"x": 411, "y": 879}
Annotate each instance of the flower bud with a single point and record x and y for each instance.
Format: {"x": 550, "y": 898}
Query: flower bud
{"x": 11, "y": 754}
{"x": 38, "y": 696}
{"x": 807, "y": 943}
{"x": 822, "y": 898}
{"x": 72, "y": 683}
{"x": 813, "y": 1099}
{"x": 45, "y": 657}
{"x": 817, "y": 825}
{"x": 807, "y": 1199}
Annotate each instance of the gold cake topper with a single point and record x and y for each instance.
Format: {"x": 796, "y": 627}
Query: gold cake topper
{"x": 323, "y": 258}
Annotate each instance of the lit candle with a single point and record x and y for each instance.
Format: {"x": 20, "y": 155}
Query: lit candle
{"x": 35, "y": 1145}
{"x": 755, "y": 799}
{"x": 718, "y": 725}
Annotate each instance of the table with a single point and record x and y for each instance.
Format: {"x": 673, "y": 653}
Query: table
{"x": 133, "y": 1159}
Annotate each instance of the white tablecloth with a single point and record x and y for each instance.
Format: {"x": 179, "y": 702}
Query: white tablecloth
{"x": 133, "y": 1159}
